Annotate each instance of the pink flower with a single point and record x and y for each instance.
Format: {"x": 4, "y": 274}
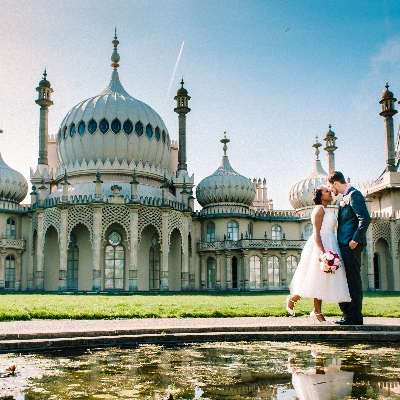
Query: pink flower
{"x": 329, "y": 256}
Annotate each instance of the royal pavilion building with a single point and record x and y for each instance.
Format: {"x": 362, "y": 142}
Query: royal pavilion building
{"x": 113, "y": 209}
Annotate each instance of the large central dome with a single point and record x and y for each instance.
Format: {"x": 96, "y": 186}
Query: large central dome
{"x": 113, "y": 126}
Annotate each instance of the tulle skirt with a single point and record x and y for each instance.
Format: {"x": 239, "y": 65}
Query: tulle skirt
{"x": 310, "y": 281}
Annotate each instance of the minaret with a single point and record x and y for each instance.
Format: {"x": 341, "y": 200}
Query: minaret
{"x": 330, "y": 148}
{"x": 387, "y": 112}
{"x": 182, "y": 108}
{"x": 44, "y": 101}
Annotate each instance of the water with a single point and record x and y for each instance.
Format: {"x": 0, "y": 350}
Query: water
{"x": 242, "y": 370}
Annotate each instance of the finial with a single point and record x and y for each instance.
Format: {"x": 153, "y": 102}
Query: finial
{"x": 115, "y": 56}
{"x": 330, "y": 126}
{"x": 387, "y": 85}
{"x": 182, "y": 81}
{"x": 316, "y": 145}
{"x": 98, "y": 177}
{"x": 225, "y": 140}
{"x": 44, "y": 74}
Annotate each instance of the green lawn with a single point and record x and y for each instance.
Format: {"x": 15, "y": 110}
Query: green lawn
{"x": 109, "y": 306}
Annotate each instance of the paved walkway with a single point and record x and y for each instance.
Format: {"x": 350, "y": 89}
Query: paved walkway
{"x": 55, "y": 334}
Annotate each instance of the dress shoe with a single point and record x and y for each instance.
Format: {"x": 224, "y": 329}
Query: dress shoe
{"x": 349, "y": 322}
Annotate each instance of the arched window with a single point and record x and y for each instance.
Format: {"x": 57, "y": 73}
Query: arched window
{"x": 210, "y": 236}
{"x": 154, "y": 264}
{"x": 10, "y": 229}
{"x": 9, "y": 282}
{"x": 114, "y": 262}
{"x": 92, "y": 126}
{"x": 139, "y": 128}
{"x": 234, "y": 273}
{"x": 128, "y": 127}
{"x": 211, "y": 273}
{"x": 308, "y": 231}
{"x": 233, "y": 230}
{"x": 291, "y": 265}
{"x": 276, "y": 232}
{"x": 149, "y": 131}
{"x": 72, "y": 130}
{"x": 250, "y": 230}
{"x": 72, "y": 263}
{"x": 377, "y": 283}
{"x": 157, "y": 133}
{"x": 273, "y": 271}
{"x": 81, "y": 128}
{"x": 255, "y": 273}
{"x": 116, "y": 126}
{"x": 104, "y": 126}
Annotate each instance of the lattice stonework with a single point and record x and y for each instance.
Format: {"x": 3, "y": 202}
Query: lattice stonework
{"x": 119, "y": 215}
{"x": 397, "y": 230}
{"x": 34, "y": 222}
{"x": 150, "y": 216}
{"x": 80, "y": 215}
{"x": 381, "y": 229}
{"x": 52, "y": 217}
{"x": 175, "y": 220}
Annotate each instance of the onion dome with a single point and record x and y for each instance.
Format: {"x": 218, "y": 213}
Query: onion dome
{"x": 44, "y": 82}
{"x": 387, "y": 94}
{"x": 13, "y": 185}
{"x": 113, "y": 126}
{"x": 225, "y": 185}
{"x": 182, "y": 91}
{"x": 301, "y": 193}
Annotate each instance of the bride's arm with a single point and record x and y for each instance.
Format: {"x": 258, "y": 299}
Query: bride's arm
{"x": 317, "y": 222}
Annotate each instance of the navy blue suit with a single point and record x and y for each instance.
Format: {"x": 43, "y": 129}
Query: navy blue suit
{"x": 353, "y": 221}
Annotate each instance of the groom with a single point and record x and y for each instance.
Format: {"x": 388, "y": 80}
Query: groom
{"x": 353, "y": 221}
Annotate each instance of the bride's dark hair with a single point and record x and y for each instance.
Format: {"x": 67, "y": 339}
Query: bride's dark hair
{"x": 317, "y": 194}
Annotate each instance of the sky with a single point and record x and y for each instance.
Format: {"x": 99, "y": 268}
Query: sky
{"x": 273, "y": 74}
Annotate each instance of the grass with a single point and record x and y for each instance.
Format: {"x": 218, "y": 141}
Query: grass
{"x": 25, "y": 307}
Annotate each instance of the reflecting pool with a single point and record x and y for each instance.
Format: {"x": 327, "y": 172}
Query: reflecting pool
{"x": 242, "y": 370}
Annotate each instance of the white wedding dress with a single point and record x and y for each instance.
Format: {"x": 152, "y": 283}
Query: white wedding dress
{"x": 309, "y": 280}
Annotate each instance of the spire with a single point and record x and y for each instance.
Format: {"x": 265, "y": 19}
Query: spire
{"x": 317, "y": 145}
{"x": 317, "y": 169}
{"x": 225, "y": 140}
{"x": 115, "y": 56}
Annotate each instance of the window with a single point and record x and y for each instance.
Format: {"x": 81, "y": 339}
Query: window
{"x": 291, "y": 265}
{"x": 128, "y": 127}
{"x": 116, "y": 126}
{"x": 157, "y": 133}
{"x": 233, "y": 230}
{"x": 72, "y": 263}
{"x": 72, "y": 130}
{"x": 10, "y": 228}
{"x": 234, "y": 273}
{"x": 92, "y": 126}
{"x": 149, "y": 131}
{"x": 276, "y": 232}
{"x": 65, "y": 132}
{"x": 163, "y": 136}
{"x": 114, "y": 262}
{"x": 154, "y": 264}
{"x": 273, "y": 271}
{"x": 81, "y": 128}
{"x": 211, "y": 273}
{"x": 104, "y": 125}
{"x": 210, "y": 236}
{"x": 255, "y": 272}
{"x": 377, "y": 284}
{"x": 139, "y": 128}
{"x": 9, "y": 282}
{"x": 308, "y": 231}
{"x": 250, "y": 230}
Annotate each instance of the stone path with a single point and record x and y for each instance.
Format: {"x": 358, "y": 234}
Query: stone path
{"x": 55, "y": 334}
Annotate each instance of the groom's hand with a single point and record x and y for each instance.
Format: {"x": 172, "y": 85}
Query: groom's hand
{"x": 353, "y": 244}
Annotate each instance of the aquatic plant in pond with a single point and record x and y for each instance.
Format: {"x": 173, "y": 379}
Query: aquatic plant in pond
{"x": 244, "y": 370}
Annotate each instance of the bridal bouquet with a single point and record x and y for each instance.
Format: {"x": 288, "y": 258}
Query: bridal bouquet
{"x": 329, "y": 261}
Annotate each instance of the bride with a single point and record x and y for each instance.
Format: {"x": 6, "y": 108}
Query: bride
{"x": 309, "y": 280}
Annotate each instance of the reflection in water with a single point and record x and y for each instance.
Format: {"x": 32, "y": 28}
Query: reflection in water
{"x": 243, "y": 370}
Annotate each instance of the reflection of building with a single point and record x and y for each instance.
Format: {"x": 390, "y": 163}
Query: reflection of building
{"x": 112, "y": 208}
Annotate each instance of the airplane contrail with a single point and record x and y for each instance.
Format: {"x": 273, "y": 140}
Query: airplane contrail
{"x": 176, "y": 66}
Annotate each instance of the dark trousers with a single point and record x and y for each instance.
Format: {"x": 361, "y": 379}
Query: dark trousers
{"x": 352, "y": 265}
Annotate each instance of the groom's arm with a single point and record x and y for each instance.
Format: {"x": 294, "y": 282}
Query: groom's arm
{"x": 359, "y": 207}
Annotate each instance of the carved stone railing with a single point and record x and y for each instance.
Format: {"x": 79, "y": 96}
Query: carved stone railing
{"x": 251, "y": 244}
{"x": 10, "y": 243}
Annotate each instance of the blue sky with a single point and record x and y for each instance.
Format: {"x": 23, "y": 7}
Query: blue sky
{"x": 272, "y": 92}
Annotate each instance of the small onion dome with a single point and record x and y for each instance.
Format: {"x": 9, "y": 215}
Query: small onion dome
{"x": 225, "y": 185}
{"x": 330, "y": 133}
{"x": 182, "y": 91}
{"x": 44, "y": 82}
{"x": 13, "y": 185}
{"x": 387, "y": 94}
{"x": 301, "y": 193}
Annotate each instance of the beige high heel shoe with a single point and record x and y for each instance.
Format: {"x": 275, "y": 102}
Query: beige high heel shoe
{"x": 315, "y": 320}
{"x": 291, "y": 311}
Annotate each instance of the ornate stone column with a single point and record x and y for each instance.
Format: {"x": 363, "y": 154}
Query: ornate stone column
{"x": 395, "y": 262}
{"x": 30, "y": 251}
{"x": 185, "y": 256}
{"x": 264, "y": 270}
{"x": 18, "y": 270}
{"x": 218, "y": 270}
{"x": 202, "y": 271}
{"x": 97, "y": 218}
{"x": 2, "y": 268}
{"x": 246, "y": 270}
{"x": 165, "y": 251}
{"x": 282, "y": 268}
{"x": 62, "y": 277}
{"x": 228, "y": 269}
{"x": 134, "y": 246}
{"x": 39, "y": 251}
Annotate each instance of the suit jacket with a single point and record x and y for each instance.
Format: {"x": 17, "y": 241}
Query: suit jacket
{"x": 353, "y": 219}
